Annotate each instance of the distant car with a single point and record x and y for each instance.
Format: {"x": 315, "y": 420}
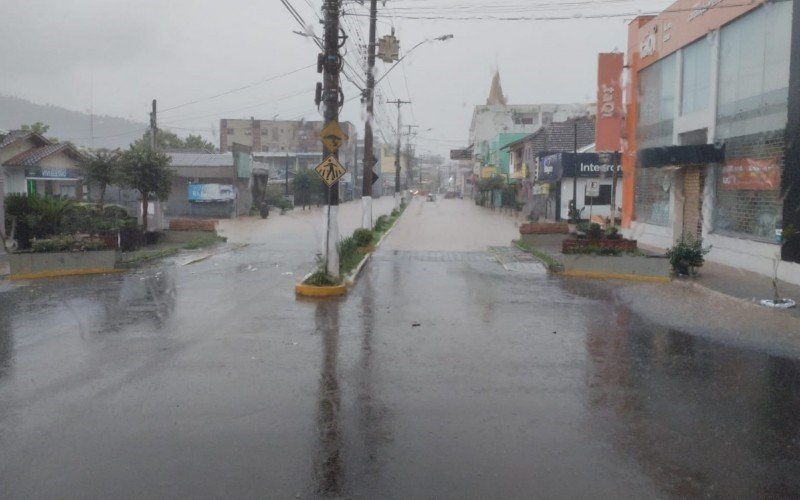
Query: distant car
{"x": 431, "y": 197}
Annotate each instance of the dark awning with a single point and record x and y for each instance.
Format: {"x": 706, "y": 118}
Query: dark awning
{"x": 680, "y": 155}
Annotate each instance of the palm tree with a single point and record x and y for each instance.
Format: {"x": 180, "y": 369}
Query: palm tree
{"x": 102, "y": 168}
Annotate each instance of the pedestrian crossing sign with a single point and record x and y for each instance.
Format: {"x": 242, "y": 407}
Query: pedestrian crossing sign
{"x": 330, "y": 170}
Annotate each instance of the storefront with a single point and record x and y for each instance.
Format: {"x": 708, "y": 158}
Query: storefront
{"x": 588, "y": 178}
{"x": 708, "y": 108}
{"x": 64, "y": 182}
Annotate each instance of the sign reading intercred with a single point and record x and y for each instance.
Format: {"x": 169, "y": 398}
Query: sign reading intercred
{"x": 333, "y": 136}
{"x": 330, "y": 170}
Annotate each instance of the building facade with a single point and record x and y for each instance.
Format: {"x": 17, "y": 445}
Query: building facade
{"x": 707, "y": 113}
{"x": 281, "y": 136}
{"x": 32, "y": 164}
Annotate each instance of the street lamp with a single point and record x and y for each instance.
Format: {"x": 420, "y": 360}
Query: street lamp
{"x": 437, "y": 39}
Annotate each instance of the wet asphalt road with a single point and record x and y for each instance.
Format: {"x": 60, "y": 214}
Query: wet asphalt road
{"x": 441, "y": 375}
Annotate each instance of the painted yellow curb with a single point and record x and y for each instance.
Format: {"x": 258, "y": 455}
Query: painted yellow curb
{"x": 320, "y": 291}
{"x": 615, "y": 276}
{"x": 65, "y": 272}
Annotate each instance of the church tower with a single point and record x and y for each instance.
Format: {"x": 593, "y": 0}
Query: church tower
{"x": 496, "y": 96}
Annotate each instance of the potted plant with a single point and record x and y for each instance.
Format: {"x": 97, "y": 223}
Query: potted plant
{"x": 686, "y": 255}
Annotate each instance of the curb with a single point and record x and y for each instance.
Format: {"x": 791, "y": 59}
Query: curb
{"x": 615, "y": 276}
{"x": 347, "y": 282}
{"x": 66, "y": 272}
{"x": 320, "y": 291}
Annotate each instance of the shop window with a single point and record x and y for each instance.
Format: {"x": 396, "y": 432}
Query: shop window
{"x": 748, "y": 197}
{"x": 603, "y": 199}
{"x": 696, "y": 76}
{"x": 652, "y": 196}
{"x": 656, "y": 103}
{"x": 754, "y": 72}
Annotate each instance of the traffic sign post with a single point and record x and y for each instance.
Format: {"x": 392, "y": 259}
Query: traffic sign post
{"x": 330, "y": 170}
{"x": 333, "y": 137}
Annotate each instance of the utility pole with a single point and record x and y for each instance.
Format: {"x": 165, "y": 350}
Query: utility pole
{"x": 332, "y": 98}
{"x": 575, "y": 172}
{"x": 397, "y": 155}
{"x": 153, "y": 126}
{"x": 287, "y": 174}
{"x": 369, "y": 95}
{"x": 409, "y": 173}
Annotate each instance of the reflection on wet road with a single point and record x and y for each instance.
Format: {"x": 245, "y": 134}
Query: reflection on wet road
{"x": 440, "y": 375}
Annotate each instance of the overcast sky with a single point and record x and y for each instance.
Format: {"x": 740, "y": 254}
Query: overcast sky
{"x": 178, "y": 51}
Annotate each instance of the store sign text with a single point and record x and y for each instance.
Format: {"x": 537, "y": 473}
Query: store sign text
{"x": 702, "y": 8}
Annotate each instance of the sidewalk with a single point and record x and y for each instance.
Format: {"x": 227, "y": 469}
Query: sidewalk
{"x": 744, "y": 285}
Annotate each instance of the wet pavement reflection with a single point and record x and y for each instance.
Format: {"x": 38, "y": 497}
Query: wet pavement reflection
{"x": 437, "y": 376}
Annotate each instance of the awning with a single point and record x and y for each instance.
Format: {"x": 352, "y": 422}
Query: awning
{"x": 680, "y": 155}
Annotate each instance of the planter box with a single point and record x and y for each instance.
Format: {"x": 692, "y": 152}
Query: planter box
{"x": 544, "y": 228}
{"x": 623, "y": 266}
{"x": 47, "y": 265}
{"x": 572, "y": 246}
{"x": 538, "y": 240}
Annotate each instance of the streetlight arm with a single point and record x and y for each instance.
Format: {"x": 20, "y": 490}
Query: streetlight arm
{"x": 438, "y": 38}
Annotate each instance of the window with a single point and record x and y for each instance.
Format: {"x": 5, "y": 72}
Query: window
{"x": 652, "y": 196}
{"x": 696, "y": 76}
{"x": 265, "y": 149}
{"x": 264, "y": 131}
{"x": 754, "y": 72}
{"x": 603, "y": 199}
{"x": 274, "y": 134}
{"x": 656, "y": 103}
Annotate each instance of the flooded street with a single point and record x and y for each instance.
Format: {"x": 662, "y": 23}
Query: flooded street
{"x": 441, "y": 374}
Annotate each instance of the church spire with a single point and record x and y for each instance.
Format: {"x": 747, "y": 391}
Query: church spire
{"x": 496, "y": 96}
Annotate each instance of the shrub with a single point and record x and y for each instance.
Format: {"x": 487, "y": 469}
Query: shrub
{"x": 382, "y": 223}
{"x": 67, "y": 244}
{"x": 612, "y": 233}
{"x": 395, "y": 212}
{"x": 595, "y": 231}
{"x": 362, "y": 237}
{"x": 686, "y": 255}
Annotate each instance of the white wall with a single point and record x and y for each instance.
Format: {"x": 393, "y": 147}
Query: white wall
{"x": 15, "y": 180}
{"x": 601, "y": 210}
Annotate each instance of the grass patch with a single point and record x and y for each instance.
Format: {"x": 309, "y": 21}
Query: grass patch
{"x": 320, "y": 278}
{"x": 204, "y": 241}
{"x": 131, "y": 259}
{"x": 552, "y": 264}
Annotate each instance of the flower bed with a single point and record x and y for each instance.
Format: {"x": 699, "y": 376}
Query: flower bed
{"x": 591, "y": 245}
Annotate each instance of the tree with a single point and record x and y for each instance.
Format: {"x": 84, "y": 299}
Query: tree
{"x": 102, "y": 168}
{"x": 164, "y": 140}
{"x": 38, "y": 127}
{"x": 147, "y": 172}
{"x": 197, "y": 142}
{"x": 302, "y": 185}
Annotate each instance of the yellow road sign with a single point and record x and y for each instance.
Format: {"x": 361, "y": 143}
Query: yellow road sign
{"x": 330, "y": 170}
{"x": 333, "y": 136}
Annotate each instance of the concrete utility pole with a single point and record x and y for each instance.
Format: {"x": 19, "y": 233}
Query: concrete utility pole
{"x": 332, "y": 100}
{"x": 397, "y": 155}
{"x": 287, "y": 175}
{"x": 409, "y": 173}
{"x": 369, "y": 95}
{"x": 153, "y": 126}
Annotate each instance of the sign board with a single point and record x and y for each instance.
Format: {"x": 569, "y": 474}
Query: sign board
{"x": 751, "y": 175}
{"x": 333, "y": 136}
{"x": 593, "y": 189}
{"x": 460, "y": 154}
{"x": 330, "y": 170}
{"x": 52, "y": 173}
{"x": 211, "y": 192}
{"x": 608, "y": 129}
{"x": 388, "y": 49}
